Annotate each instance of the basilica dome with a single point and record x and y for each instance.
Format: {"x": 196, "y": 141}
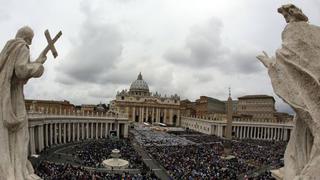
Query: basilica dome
{"x": 139, "y": 85}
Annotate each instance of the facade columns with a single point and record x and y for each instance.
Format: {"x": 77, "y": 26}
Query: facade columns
{"x": 142, "y": 114}
{"x": 178, "y": 118}
{"x": 125, "y": 132}
{"x": 171, "y": 116}
{"x": 152, "y": 115}
{"x": 165, "y": 116}
{"x": 133, "y": 114}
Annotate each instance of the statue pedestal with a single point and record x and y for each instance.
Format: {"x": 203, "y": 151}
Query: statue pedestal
{"x": 277, "y": 173}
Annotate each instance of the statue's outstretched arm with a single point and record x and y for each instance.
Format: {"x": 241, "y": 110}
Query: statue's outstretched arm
{"x": 266, "y": 60}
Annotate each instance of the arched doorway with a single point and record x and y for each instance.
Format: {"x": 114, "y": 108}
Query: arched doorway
{"x": 149, "y": 119}
{"x": 161, "y": 119}
{"x": 136, "y": 118}
{"x": 174, "y": 120}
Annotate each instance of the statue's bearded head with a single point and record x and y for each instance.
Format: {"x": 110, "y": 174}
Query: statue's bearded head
{"x": 292, "y": 14}
{"x": 25, "y": 33}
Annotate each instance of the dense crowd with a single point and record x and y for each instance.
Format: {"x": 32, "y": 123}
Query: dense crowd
{"x": 199, "y": 156}
{"x": 185, "y": 155}
{"x": 53, "y": 171}
{"x": 94, "y": 152}
{"x": 148, "y": 137}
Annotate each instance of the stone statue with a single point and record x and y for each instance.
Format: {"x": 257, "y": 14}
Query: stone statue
{"x": 15, "y": 70}
{"x": 295, "y": 76}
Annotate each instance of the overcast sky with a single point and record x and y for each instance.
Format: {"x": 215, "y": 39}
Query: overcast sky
{"x": 188, "y": 47}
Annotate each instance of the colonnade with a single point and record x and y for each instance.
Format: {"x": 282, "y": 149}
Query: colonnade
{"x": 261, "y": 132}
{"x": 49, "y": 130}
{"x": 155, "y": 115}
{"x": 240, "y": 130}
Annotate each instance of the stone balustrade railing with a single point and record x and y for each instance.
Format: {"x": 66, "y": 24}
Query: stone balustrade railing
{"x": 77, "y": 114}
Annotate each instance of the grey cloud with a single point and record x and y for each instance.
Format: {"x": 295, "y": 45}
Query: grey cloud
{"x": 204, "y": 49}
{"x": 242, "y": 62}
{"x": 202, "y": 46}
{"x": 97, "y": 51}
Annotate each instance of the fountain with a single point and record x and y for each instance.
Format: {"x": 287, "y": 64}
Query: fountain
{"x": 115, "y": 162}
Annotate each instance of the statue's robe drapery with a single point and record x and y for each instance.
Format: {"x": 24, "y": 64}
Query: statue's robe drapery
{"x": 295, "y": 78}
{"x": 15, "y": 70}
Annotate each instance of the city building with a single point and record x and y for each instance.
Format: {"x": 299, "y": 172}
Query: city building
{"x": 187, "y": 108}
{"x": 143, "y": 106}
{"x": 48, "y": 106}
{"x": 260, "y": 107}
{"x": 207, "y": 105}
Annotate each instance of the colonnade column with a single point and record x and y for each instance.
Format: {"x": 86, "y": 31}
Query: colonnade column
{"x": 106, "y": 132}
{"x": 40, "y": 137}
{"x": 59, "y": 135}
{"x": 78, "y": 131}
{"x": 97, "y": 130}
{"x": 69, "y": 131}
{"x": 87, "y": 131}
{"x": 55, "y": 138}
{"x": 82, "y": 129}
{"x": 31, "y": 141}
{"x": 64, "y": 133}
{"x": 101, "y": 130}
{"x": 46, "y": 135}
{"x": 91, "y": 132}
{"x": 51, "y": 134}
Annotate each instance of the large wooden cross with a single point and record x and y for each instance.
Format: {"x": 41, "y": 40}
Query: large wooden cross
{"x": 50, "y": 46}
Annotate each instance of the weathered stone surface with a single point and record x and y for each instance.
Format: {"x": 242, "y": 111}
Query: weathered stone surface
{"x": 295, "y": 75}
{"x": 15, "y": 71}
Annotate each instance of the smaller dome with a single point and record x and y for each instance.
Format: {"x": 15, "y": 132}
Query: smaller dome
{"x": 139, "y": 85}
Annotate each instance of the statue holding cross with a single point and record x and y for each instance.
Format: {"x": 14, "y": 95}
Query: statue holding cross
{"x": 15, "y": 70}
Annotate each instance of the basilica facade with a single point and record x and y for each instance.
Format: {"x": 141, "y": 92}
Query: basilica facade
{"x": 145, "y": 107}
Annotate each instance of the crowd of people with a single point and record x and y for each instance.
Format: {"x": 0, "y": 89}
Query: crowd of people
{"x": 54, "y": 171}
{"x": 87, "y": 162}
{"x": 191, "y": 155}
{"x": 94, "y": 152}
{"x": 148, "y": 137}
{"x": 184, "y": 155}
